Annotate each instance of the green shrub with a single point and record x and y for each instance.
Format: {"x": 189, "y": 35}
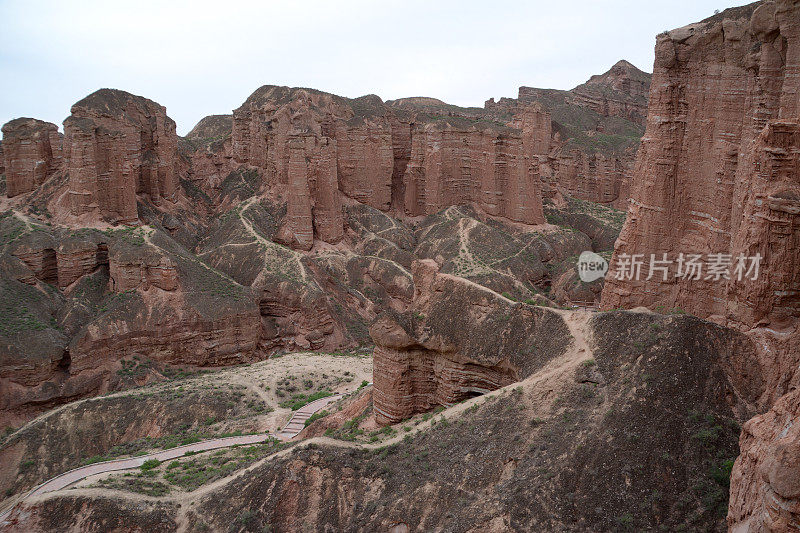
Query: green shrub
{"x": 150, "y": 464}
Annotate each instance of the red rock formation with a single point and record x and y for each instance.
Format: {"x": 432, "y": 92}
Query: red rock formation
{"x": 296, "y": 319}
{"x": 765, "y": 484}
{"x": 140, "y": 267}
{"x": 537, "y": 129}
{"x": 401, "y": 124}
{"x": 167, "y": 328}
{"x": 206, "y": 152}
{"x": 719, "y": 172}
{"x": 588, "y": 157}
{"x": 736, "y": 180}
{"x": 313, "y": 203}
{"x": 31, "y": 151}
{"x": 118, "y": 145}
{"x": 596, "y": 177}
{"x": 459, "y": 340}
{"x": 39, "y": 255}
{"x": 456, "y": 165}
{"x": 77, "y": 257}
{"x": 620, "y": 92}
{"x": 313, "y": 147}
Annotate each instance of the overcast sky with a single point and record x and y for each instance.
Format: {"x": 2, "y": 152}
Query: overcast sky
{"x": 199, "y": 58}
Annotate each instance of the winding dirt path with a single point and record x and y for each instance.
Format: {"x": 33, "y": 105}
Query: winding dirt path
{"x": 291, "y": 429}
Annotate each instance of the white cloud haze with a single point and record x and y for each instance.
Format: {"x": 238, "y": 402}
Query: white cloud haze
{"x": 200, "y": 58}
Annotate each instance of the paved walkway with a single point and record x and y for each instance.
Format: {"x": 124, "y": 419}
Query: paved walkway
{"x": 291, "y": 430}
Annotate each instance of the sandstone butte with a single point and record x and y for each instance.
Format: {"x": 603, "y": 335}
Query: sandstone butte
{"x": 717, "y": 172}
{"x": 31, "y": 151}
{"x": 116, "y": 146}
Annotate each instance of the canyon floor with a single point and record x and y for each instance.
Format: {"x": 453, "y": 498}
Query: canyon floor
{"x": 586, "y": 441}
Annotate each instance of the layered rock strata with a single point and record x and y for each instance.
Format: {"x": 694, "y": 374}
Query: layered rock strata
{"x": 620, "y": 92}
{"x": 31, "y": 151}
{"x": 456, "y": 166}
{"x": 459, "y": 340}
{"x": 718, "y": 173}
{"x": 118, "y": 145}
{"x": 732, "y": 188}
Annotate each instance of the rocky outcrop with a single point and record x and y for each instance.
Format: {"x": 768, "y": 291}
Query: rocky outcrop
{"x": 38, "y": 252}
{"x": 717, "y": 173}
{"x": 143, "y": 267}
{"x": 118, "y": 145}
{"x": 212, "y": 127}
{"x": 620, "y": 92}
{"x": 765, "y": 485}
{"x": 738, "y": 179}
{"x": 76, "y": 257}
{"x": 583, "y": 146}
{"x": 459, "y": 340}
{"x": 597, "y": 177}
{"x": 312, "y": 148}
{"x": 205, "y": 156}
{"x": 31, "y": 151}
{"x": 323, "y": 149}
{"x": 454, "y": 165}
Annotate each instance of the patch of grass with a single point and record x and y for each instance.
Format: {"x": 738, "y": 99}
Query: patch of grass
{"x": 300, "y": 400}
{"x": 316, "y": 416}
{"x": 150, "y": 464}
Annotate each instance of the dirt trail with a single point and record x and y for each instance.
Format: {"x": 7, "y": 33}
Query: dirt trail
{"x": 541, "y": 389}
{"x": 261, "y": 240}
{"x": 292, "y": 428}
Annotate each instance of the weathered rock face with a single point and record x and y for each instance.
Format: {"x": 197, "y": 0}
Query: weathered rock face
{"x": 451, "y": 166}
{"x": 314, "y": 147}
{"x": 459, "y": 340}
{"x": 206, "y": 153}
{"x": 601, "y": 178}
{"x": 765, "y": 485}
{"x": 321, "y": 148}
{"x": 620, "y": 92}
{"x": 31, "y": 151}
{"x": 118, "y": 145}
{"x": 76, "y": 257}
{"x": 132, "y": 269}
{"x": 719, "y": 172}
{"x": 585, "y": 146}
{"x": 738, "y": 180}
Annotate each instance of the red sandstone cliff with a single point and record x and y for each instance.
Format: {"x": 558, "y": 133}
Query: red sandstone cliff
{"x": 719, "y": 172}
{"x": 461, "y": 164}
{"x": 31, "y": 151}
{"x": 318, "y": 151}
{"x": 118, "y": 145}
{"x": 585, "y": 139}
